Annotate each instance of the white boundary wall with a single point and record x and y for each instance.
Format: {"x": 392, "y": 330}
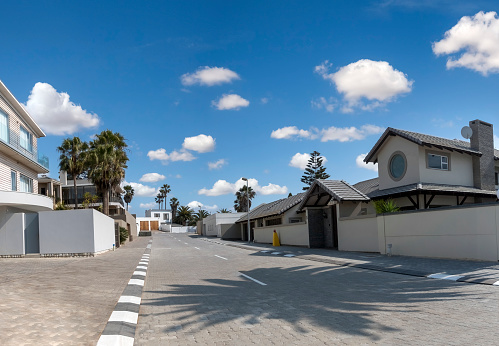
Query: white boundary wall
{"x": 289, "y": 234}
{"x": 75, "y": 231}
{"x": 469, "y": 232}
{"x": 358, "y": 234}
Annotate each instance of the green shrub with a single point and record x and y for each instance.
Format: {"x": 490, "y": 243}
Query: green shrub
{"x": 60, "y": 206}
{"x": 123, "y": 235}
{"x": 385, "y": 206}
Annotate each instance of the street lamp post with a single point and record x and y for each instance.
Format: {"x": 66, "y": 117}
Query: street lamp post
{"x": 248, "y": 208}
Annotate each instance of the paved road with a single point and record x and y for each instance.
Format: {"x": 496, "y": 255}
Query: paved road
{"x": 62, "y": 301}
{"x": 195, "y": 294}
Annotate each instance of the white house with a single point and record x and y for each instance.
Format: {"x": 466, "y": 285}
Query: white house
{"x": 155, "y": 220}
{"x": 20, "y": 164}
{"x": 222, "y": 225}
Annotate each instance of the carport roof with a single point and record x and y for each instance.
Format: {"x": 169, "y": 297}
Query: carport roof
{"x": 322, "y": 191}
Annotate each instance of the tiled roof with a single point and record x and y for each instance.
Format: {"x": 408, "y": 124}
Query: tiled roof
{"x": 273, "y": 208}
{"x": 342, "y": 191}
{"x": 422, "y": 139}
{"x": 371, "y": 189}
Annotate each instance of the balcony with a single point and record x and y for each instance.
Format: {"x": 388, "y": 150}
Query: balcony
{"x": 98, "y": 201}
{"x": 12, "y": 146}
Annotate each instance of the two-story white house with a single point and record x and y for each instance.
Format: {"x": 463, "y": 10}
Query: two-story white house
{"x": 20, "y": 164}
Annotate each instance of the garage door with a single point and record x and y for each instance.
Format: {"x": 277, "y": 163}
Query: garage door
{"x": 154, "y": 225}
{"x": 144, "y": 225}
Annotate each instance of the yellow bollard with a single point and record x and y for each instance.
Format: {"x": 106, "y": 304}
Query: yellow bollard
{"x": 275, "y": 240}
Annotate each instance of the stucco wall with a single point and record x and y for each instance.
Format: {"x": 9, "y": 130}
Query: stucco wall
{"x": 460, "y": 173}
{"x": 11, "y": 232}
{"x": 289, "y": 234}
{"x": 75, "y": 231}
{"x": 358, "y": 234}
{"x": 459, "y": 232}
{"x": 411, "y": 152}
{"x": 229, "y": 231}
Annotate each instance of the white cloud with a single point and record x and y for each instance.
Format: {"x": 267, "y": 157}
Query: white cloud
{"x": 349, "y": 134}
{"x": 289, "y": 132}
{"x": 55, "y": 113}
{"x": 477, "y": 38}
{"x": 323, "y": 103}
{"x": 264, "y": 100}
{"x": 230, "y": 101}
{"x": 217, "y": 165}
{"x": 199, "y": 205}
{"x": 340, "y": 134}
{"x": 152, "y": 177}
{"x": 209, "y": 76}
{"x": 370, "y": 166}
{"x": 160, "y": 154}
{"x": 147, "y": 205}
{"x": 200, "y": 143}
{"x": 223, "y": 187}
{"x": 142, "y": 190}
{"x": 376, "y": 81}
{"x": 300, "y": 160}
{"x": 178, "y": 176}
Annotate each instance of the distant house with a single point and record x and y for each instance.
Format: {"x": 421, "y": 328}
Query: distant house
{"x": 281, "y": 215}
{"x": 155, "y": 220}
{"x": 50, "y": 187}
{"x": 222, "y": 225}
{"x": 20, "y": 164}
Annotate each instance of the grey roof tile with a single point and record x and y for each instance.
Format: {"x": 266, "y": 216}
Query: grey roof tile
{"x": 273, "y": 208}
{"x": 342, "y": 191}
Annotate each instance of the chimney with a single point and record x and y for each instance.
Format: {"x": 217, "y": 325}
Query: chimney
{"x": 482, "y": 140}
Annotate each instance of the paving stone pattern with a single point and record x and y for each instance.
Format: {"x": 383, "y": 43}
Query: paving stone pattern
{"x": 192, "y": 297}
{"x": 63, "y": 301}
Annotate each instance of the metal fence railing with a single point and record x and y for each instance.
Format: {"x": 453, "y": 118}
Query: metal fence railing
{"x": 25, "y": 148}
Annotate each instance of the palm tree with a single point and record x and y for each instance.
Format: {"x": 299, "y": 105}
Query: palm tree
{"x": 198, "y": 216}
{"x": 165, "y": 190}
{"x": 243, "y": 199}
{"x": 73, "y": 160}
{"x": 224, "y": 211}
{"x": 184, "y": 214}
{"x": 107, "y": 163}
{"x": 159, "y": 198}
{"x": 174, "y": 205}
{"x": 129, "y": 192}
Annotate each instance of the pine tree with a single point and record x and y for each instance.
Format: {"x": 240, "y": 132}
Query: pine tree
{"x": 314, "y": 170}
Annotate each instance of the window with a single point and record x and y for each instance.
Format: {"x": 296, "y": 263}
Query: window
{"x": 273, "y": 222}
{"x": 438, "y": 162}
{"x": 295, "y": 219}
{"x": 26, "y": 184}
{"x": 13, "y": 178}
{"x": 497, "y": 178}
{"x": 165, "y": 216}
{"x": 25, "y": 139}
{"x": 156, "y": 215}
{"x": 4, "y": 127}
{"x": 397, "y": 165}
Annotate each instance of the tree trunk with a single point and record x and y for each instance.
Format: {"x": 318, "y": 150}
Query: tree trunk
{"x": 105, "y": 201}
{"x": 75, "y": 192}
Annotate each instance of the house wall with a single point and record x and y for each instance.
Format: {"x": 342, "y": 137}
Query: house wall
{"x": 75, "y": 231}
{"x": 289, "y": 234}
{"x": 411, "y": 152}
{"x": 460, "y": 173}
{"x": 11, "y": 232}
{"x": 229, "y": 231}
{"x": 358, "y": 234}
{"x": 7, "y": 164}
{"x": 467, "y": 232}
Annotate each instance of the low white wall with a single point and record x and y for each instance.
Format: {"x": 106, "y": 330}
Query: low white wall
{"x": 289, "y": 234}
{"x": 358, "y": 234}
{"x": 184, "y": 229}
{"x": 465, "y": 233}
{"x": 75, "y": 231}
{"x": 11, "y": 233}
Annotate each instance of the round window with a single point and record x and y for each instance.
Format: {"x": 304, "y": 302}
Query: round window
{"x": 397, "y": 166}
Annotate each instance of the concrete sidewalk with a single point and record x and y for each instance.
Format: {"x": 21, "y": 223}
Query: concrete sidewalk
{"x": 476, "y": 272}
{"x": 63, "y": 301}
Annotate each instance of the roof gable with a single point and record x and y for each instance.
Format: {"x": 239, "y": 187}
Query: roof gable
{"x": 423, "y": 140}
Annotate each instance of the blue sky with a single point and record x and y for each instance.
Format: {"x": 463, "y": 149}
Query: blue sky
{"x": 208, "y": 92}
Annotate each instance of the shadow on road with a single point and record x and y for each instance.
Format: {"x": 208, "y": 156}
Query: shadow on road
{"x": 338, "y": 299}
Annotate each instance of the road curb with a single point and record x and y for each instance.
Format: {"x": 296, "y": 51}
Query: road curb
{"x": 121, "y": 326}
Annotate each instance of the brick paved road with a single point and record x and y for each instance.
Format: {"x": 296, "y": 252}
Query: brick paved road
{"x": 62, "y": 301}
{"x": 193, "y": 297}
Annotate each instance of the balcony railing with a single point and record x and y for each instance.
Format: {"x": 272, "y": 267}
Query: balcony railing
{"x": 14, "y": 142}
{"x": 97, "y": 201}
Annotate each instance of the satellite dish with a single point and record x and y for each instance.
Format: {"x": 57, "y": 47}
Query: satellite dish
{"x": 466, "y": 132}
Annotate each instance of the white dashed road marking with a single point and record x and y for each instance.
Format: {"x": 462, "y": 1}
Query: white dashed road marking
{"x": 255, "y": 280}
{"x": 124, "y": 316}
{"x": 444, "y": 276}
{"x": 221, "y": 257}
